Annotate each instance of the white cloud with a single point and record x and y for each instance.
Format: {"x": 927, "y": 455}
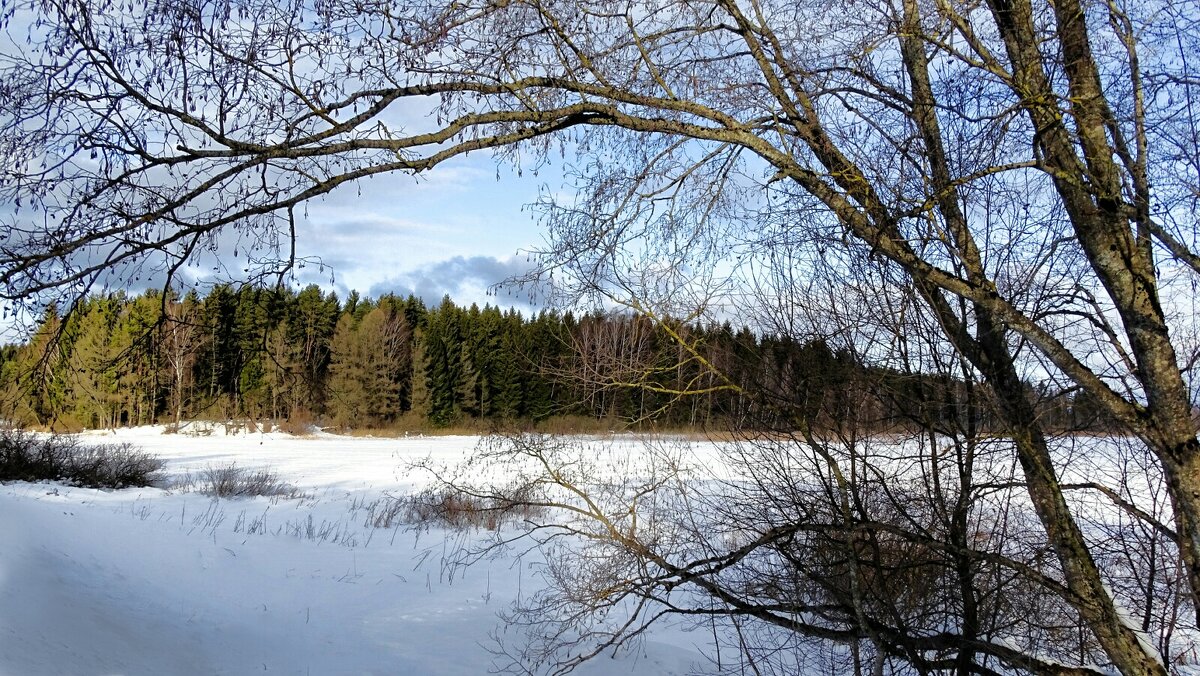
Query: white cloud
{"x": 466, "y": 280}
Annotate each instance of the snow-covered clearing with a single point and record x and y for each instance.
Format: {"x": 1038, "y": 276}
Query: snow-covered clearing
{"x": 153, "y": 581}
{"x": 147, "y": 581}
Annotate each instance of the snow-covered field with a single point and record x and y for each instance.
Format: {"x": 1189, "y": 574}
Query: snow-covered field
{"x": 154, "y": 581}
{"x": 148, "y": 581}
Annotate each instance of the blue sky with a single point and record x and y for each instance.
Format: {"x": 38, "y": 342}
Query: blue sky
{"x": 457, "y": 229}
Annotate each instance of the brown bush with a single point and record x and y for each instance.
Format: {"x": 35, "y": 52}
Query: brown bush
{"x": 30, "y": 457}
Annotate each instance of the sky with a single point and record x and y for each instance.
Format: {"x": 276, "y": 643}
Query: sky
{"x": 459, "y": 229}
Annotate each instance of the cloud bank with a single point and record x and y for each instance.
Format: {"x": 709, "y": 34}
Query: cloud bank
{"x": 474, "y": 279}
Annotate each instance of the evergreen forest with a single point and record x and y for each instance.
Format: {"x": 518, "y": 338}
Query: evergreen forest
{"x": 301, "y": 358}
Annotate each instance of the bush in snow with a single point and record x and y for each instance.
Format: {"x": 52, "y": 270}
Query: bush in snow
{"x": 446, "y": 507}
{"x": 231, "y": 481}
{"x": 29, "y": 457}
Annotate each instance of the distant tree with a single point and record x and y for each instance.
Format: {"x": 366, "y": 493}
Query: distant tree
{"x": 282, "y": 370}
{"x": 347, "y": 374}
{"x": 371, "y": 363}
{"x": 91, "y": 383}
{"x": 506, "y": 367}
{"x": 220, "y": 364}
{"x": 253, "y": 320}
{"x": 472, "y": 381}
{"x": 419, "y": 403}
{"x": 181, "y": 343}
{"x": 443, "y": 353}
{"x": 311, "y": 324}
{"x": 142, "y": 379}
{"x": 544, "y": 350}
{"x": 384, "y": 336}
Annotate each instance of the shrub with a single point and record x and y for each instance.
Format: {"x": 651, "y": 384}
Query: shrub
{"x": 231, "y": 481}
{"x": 30, "y": 457}
{"x": 455, "y": 509}
{"x": 114, "y": 466}
{"x": 300, "y": 423}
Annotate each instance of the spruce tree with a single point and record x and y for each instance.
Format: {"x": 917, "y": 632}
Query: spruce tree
{"x": 347, "y": 401}
{"x": 220, "y": 363}
{"x": 316, "y": 317}
{"x": 92, "y": 396}
{"x": 443, "y": 363}
{"x": 507, "y": 394}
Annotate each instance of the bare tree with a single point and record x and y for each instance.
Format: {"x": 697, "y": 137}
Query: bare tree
{"x": 1027, "y": 166}
{"x": 181, "y": 342}
{"x": 811, "y": 543}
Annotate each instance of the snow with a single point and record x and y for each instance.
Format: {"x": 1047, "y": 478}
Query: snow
{"x": 1126, "y": 618}
{"x": 147, "y": 581}
{"x": 152, "y": 581}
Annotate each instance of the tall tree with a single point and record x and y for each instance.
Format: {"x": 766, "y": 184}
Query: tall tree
{"x": 370, "y": 368}
{"x": 219, "y": 365}
{"x": 180, "y": 344}
{"x": 311, "y": 326}
{"x": 142, "y": 374}
{"x": 507, "y": 394}
{"x": 91, "y": 381}
{"x": 443, "y": 350}
{"x": 347, "y": 374}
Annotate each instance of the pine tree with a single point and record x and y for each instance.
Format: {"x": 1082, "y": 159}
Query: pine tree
{"x": 506, "y": 399}
{"x": 253, "y": 323}
{"x": 219, "y": 367}
{"x": 311, "y": 323}
{"x": 92, "y": 397}
{"x": 347, "y": 400}
{"x": 443, "y": 363}
{"x": 473, "y": 383}
{"x": 544, "y": 345}
{"x": 37, "y": 390}
{"x": 141, "y": 382}
{"x": 419, "y": 404}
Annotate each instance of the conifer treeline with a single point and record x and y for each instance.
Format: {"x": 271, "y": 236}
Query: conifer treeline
{"x": 360, "y": 363}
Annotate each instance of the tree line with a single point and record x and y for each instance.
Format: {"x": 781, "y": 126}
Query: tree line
{"x": 309, "y": 357}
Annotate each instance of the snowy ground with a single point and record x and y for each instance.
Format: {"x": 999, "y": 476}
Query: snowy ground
{"x": 152, "y": 581}
{"x": 146, "y": 581}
